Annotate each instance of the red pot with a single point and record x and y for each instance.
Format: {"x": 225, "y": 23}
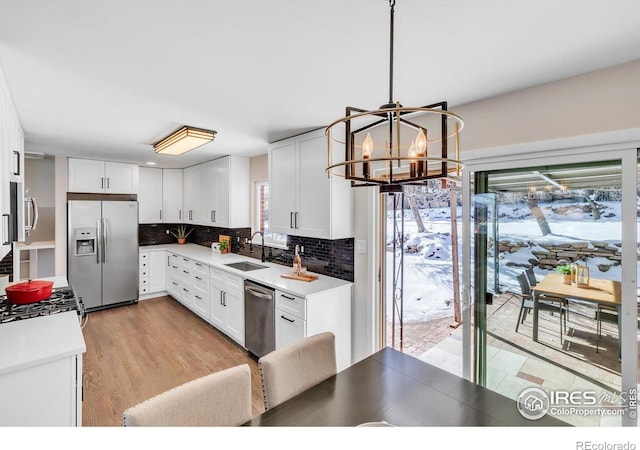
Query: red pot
{"x": 28, "y": 292}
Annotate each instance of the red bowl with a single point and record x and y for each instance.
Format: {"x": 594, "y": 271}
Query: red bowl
{"x": 28, "y": 292}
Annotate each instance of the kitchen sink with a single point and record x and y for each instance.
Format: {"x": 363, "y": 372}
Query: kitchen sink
{"x": 245, "y": 266}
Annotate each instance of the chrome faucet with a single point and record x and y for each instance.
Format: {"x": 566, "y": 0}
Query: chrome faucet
{"x": 263, "y": 259}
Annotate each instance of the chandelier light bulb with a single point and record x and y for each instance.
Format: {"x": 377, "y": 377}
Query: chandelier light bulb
{"x": 421, "y": 144}
{"x": 412, "y": 150}
{"x": 367, "y": 147}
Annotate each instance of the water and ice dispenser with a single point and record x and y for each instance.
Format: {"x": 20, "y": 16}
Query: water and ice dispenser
{"x": 85, "y": 241}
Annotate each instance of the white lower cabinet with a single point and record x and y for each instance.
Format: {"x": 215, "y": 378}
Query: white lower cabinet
{"x": 226, "y": 304}
{"x": 201, "y": 290}
{"x": 218, "y": 297}
{"x": 291, "y": 324}
{"x": 41, "y": 383}
{"x": 153, "y": 272}
{"x": 298, "y": 317}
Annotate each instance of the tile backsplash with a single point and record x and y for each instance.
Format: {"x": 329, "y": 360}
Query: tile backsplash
{"x": 333, "y": 258}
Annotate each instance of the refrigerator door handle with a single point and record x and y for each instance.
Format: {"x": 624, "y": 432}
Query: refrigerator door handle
{"x": 98, "y": 240}
{"x": 104, "y": 240}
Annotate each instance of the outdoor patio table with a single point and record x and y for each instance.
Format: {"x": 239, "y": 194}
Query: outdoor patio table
{"x": 599, "y": 291}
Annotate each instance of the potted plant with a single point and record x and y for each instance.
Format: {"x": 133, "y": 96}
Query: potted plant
{"x": 565, "y": 271}
{"x": 223, "y": 246}
{"x": 181, "y": 233}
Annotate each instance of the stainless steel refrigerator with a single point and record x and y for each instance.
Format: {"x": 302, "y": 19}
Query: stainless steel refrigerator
{"x": 102, "y": 251}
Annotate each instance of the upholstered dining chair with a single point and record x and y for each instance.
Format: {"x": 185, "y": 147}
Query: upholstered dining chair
{"x": 220, "y": 399}
{"x": 296, "y": 367}
{"x": 551, "y": 304}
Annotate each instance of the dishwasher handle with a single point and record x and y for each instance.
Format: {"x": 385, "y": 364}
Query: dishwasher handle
{"x": 257, "y": 293}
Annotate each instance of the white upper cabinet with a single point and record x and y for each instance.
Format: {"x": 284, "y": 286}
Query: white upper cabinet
{"x": 192, "y": 194}
{"x": 172, "y": 195}
{"x": 92, "y": 176}
{"x": 304, "y": 201}
{"x": 213, "y": 194}
{"x": 11, "y": 163}
{"x": 225, "y": 192}
{"x": 149, "y": 195}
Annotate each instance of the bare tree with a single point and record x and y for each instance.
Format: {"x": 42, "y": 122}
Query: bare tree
{"x": 532, "y": 203}
{"x": 411, "y": 193}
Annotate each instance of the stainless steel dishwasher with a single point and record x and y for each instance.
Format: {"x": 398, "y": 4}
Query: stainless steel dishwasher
{"x": 259, "y": 318}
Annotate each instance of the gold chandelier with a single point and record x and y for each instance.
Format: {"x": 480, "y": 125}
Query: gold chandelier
{"x": 394, "y": 145}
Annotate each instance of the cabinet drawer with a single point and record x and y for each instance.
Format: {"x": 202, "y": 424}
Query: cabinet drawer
{"x": 289, "y": 328}
{"x": 201, "y": 270}
{"x": 292, "y": 304}
{"x": 143, "y": 285}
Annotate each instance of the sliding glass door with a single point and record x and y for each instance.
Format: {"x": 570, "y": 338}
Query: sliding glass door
{"x": 531, "y": 334}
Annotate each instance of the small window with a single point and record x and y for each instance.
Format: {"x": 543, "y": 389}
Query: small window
{"x": 262, "y": 218}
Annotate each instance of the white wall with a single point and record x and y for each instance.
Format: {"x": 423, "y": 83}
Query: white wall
{"x": 594, "y": 108}
{"x": 39, "y": 177}
{"x": 61, "y": 215}
{"x": 258, "y": 171}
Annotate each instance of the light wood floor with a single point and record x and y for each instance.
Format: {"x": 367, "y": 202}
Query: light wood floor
{"x": 135, "y": 352}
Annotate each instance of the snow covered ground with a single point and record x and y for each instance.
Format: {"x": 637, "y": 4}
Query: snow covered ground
{"x": 428, "y": 293}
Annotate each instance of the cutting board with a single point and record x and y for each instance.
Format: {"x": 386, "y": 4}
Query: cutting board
{"x": 223, "y": 238}
{"x": 299, "y": 277}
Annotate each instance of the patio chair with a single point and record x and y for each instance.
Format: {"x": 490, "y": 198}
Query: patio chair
{"x": 607, "y": 314}
{"x": 531, "y": 277}
{"x": 551, "y": 304}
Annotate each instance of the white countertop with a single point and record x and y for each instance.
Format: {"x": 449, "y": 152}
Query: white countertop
{"x": 30, "y": 342}
{"x": 270, "y": 276}
{"x": 35, "y": 245}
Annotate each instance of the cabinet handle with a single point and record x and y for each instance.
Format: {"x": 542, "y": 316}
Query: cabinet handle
{"x": 296, "y": 221}
{"x": 224, "y": 297}
{"x": 287, "y": 297}
{"x": 185, "y": 271}
{"x": 198, "y": 278}
{"x": 198, "y": 297}
{"x": 180, "y": 214}
{"x": 291, "y": 219}
{"x": 9, "y": 229}
{"x": 213, "y": 216}
{"x": 175, "y": 267}
{"x": 191, "y": 214}
{"x": 160, "y": 214}
{"x": 287, "y": 319}
{"x": 108, "y": 182}
{"x": 198, "y": 264}
{"x": 174, "y": 283}
{"x": 185, "y": 289}
{"x": 221, "y": 298}
{"x": 17, "y": 153}
{"x": 101, "y": 182}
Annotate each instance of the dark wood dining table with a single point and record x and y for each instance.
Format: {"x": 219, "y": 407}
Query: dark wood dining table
{"x": 401, "y": 390}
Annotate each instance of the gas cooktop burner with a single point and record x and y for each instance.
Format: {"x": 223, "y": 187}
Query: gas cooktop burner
{"x": 61, "y": 300}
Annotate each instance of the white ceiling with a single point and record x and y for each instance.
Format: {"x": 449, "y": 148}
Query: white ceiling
{"x": 106, "y": 79}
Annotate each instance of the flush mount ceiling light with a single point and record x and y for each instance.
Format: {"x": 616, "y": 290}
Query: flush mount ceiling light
{"x": 183, "y": 140}
{"x": 394, "y": 145}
